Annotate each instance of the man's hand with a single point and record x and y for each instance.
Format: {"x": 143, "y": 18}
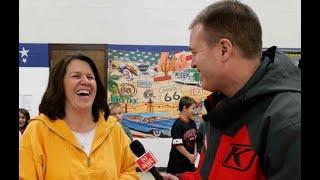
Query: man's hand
{"x": 168, "y": 176}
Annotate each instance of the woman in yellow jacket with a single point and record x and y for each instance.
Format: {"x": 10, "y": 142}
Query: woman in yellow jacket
{"x": 70, "y": 139}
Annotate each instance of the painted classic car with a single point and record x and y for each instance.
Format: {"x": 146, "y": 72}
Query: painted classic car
{"x": 156, "y": 124}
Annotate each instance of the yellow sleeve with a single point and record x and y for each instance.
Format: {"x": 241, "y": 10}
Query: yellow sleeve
{"x": 128, "y": 166}
{"x": 30, "y": 165}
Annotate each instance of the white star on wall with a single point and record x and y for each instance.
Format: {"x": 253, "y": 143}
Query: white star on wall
{"x": 24, "y": 60}
{"x": 24, "y": 52}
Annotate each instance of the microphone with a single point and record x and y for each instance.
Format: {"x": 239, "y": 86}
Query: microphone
{"x": 138, "y": 149}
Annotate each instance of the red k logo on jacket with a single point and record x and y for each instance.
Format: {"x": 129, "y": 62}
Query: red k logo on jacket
{"x": 239, "y": 157}
{"x": 235, "y": 157}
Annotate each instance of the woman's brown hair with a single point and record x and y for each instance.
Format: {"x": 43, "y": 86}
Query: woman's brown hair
{"x": 53, "y": 100}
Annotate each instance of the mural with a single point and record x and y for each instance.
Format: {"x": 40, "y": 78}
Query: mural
{"x": 149, "y": 81}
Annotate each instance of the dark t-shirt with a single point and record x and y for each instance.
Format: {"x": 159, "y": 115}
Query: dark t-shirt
{"x": 182, "y": 134}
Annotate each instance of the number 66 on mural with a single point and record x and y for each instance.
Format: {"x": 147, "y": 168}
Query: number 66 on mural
{"x": 171, "y": 96}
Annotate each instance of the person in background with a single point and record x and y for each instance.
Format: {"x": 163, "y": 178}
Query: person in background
{"x": 19, "y": 136}
{"x": 73, "y": 136}
{"x": 209, "y": 103}
{"x": 254, "y": 126}
{"x": 116, "y": 111}
{"x": 183, "y": 151}
{"x": 24, "y": 118}
{"x": 200, "y": 133}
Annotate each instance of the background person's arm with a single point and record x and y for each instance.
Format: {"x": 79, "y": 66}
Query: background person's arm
{"x": 184, "y": 152}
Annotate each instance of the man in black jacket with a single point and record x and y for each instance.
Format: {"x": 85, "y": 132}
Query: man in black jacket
{"x": 254, "y": 118}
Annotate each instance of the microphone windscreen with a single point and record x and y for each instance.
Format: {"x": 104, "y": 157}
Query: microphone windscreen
{"x": 137, "y": 148}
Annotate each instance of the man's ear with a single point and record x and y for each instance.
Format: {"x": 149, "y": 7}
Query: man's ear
{"x": 226, "y": 48}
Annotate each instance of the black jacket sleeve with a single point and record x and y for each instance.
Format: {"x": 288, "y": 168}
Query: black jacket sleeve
{"x": 283, "y": 154}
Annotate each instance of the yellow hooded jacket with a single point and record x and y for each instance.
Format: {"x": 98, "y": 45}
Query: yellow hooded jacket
{"x": 49, "y": 150}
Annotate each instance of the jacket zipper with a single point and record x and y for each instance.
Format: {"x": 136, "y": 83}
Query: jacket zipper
{"x": 88, "y": 161}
